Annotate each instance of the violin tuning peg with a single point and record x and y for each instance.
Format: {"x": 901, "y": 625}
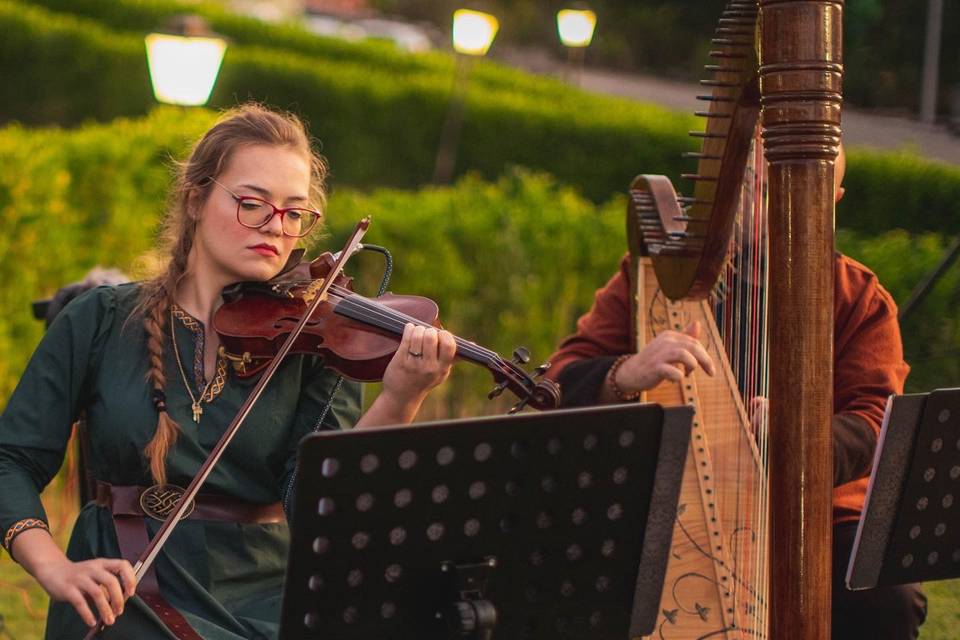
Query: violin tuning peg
{"x": 521, "y": 355}
{"x": 542, "y": 369}
{"x": 496, "y": 391}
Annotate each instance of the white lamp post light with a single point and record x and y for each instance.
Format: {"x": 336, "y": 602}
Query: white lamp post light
{"x": 575, "y": 27}
{"x": 184, "y": 63}
{"x": 473, "y": 33}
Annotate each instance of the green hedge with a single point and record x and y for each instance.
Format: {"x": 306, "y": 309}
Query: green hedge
{"x": 512, "y": 262}
{"x": 899, "y": 191}
{"x": 141, "y": 16}
{"x": 60, "y": 70}
{"x": 378, "y": 128}
{"x": 883, "y": 42}
{"x": 378, "y": 111}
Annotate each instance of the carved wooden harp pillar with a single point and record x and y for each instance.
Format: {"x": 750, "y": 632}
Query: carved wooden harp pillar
{"x": 800, "y": 85}
{"x": 751, "y": 554}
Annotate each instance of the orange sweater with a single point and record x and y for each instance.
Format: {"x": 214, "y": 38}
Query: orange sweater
{"x": 868, "y": 366}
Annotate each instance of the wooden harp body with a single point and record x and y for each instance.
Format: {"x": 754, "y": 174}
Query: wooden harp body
{"x": 751, "y": 556}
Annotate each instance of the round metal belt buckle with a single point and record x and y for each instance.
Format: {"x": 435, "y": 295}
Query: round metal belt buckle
{"x": 160, "y": 500}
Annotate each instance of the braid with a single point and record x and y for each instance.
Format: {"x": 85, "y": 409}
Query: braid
{"x": 154, "y": 323}
{"x": 157, "y": 298}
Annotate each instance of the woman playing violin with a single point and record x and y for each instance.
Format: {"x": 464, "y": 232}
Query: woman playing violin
{"x": 141, "y": 362}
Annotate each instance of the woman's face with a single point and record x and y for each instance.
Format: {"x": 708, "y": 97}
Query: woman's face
{"x": 226, "y": 250}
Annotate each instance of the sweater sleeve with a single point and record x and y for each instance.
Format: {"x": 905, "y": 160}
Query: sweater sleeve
{"x": 868, "y": 366}
{"x": 581, "y": 362}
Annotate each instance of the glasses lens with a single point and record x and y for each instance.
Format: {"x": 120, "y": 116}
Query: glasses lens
{"x": 298, "y": 222}
{"x": 252, "y": 212}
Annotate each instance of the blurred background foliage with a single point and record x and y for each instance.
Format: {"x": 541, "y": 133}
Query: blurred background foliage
{"x": 380, "y": 121}
{"x": 883, "y": 39}
{"x": 380, "y": 124}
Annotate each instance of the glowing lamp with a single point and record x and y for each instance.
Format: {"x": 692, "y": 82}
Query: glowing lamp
{"x": 473, "y": 31}
{"x": 576, "y": 27}
{"x": 184, "y": 62}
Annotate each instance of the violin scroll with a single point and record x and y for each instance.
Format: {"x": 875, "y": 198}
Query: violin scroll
{"x": 539, "y": 394}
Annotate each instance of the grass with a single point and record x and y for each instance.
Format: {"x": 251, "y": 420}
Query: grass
{"x": 943, "y": 620}
{"x": 23, "y": 604}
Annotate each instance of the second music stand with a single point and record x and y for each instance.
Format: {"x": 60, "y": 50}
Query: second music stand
{"x": 910, "y": 527}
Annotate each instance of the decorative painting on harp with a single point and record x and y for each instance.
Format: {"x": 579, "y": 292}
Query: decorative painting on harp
{"x": 707, "y": 288}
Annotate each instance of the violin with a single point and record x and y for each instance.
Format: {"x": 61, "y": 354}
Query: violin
{"x": 356, "y": 335}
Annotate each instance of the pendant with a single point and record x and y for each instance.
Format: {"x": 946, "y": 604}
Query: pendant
{"x": 197, "y": 411}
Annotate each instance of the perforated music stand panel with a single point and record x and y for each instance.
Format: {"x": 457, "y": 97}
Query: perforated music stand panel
{"x": 560, "y": 501}
{"x": 910, "y": 529}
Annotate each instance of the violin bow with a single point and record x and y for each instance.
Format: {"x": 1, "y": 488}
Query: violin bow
{"x": 153, "y": 549}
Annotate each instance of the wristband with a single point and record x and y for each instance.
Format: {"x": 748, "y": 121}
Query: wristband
{"x": 612, "y": 381}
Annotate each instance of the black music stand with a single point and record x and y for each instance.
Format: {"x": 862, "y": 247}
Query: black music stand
{"x": 539, "y": 525}
{"x": 910, "y": 528}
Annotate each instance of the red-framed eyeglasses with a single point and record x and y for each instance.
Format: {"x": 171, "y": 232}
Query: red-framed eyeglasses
{"x": 253, "y": 213}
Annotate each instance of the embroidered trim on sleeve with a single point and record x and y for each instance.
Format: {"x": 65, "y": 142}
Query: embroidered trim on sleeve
{"x": 19, "y": 527}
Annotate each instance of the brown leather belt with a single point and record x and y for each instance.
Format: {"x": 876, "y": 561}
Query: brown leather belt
{"x": 127, "y": 501}
{"x": 127, "y": 504}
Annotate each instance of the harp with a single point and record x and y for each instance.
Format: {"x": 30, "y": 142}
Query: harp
{"x": 751, "y": 555}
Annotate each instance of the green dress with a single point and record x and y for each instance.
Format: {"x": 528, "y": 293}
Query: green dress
{"x": 226, "y": 578}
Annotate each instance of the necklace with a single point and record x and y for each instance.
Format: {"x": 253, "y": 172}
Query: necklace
{"x": 210, "y": 390}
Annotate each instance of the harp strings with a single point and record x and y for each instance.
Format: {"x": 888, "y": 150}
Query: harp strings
{"x": 740, "y": 309}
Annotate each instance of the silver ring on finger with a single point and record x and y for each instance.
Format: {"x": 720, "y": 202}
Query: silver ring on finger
{"x": 415, "y": 354}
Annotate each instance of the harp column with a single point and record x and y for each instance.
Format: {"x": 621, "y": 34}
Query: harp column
{"x": 800, "y": 78}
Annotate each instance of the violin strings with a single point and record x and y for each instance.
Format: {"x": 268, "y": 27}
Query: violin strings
{"x": 363, "y": 309}
{"x": 378, "y": 314}
{"x": 395, "y": 323}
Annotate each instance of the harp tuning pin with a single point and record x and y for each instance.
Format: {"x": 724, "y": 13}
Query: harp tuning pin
{"x": 521, "y": 355}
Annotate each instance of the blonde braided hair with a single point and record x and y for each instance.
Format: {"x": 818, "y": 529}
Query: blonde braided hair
{"x": 246, "y": 125}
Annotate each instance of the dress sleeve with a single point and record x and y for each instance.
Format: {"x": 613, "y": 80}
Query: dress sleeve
{"x": 36, "y": 423}
{"x": 581, "y": 363}
{"x": 318, "y": 385}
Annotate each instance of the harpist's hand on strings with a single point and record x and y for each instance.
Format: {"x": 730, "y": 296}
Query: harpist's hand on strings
{"x": 670, "y": 356}
{"x": 104, "y": 582}
{"x": 758, "y": 411}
